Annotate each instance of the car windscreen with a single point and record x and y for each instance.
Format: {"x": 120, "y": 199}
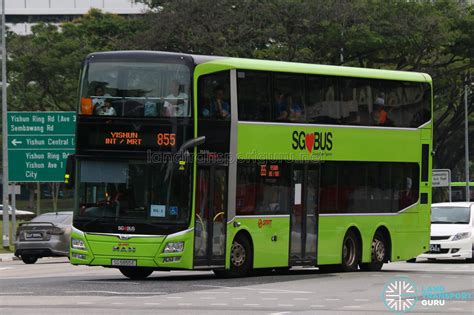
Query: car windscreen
{"x": 450, "y": 215}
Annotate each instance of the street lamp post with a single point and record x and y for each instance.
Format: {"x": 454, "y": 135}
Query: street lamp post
{"x": 466, "y": 138}
{"x": 6, "y": 227}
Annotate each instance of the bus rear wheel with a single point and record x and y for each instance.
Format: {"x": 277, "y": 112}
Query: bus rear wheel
{"x": 350, "y": 252}
{"x": 378, "y": 254}
{"x": 136, "y": 273}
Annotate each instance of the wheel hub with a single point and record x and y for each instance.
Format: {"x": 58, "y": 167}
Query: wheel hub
{"x": 237, "y": 255}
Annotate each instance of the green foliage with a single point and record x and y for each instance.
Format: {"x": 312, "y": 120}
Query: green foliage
{"x": 43, "y": 67}
{"x": 432, "y": 37}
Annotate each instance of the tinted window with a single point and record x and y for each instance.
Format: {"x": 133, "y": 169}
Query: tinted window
{"x": 288, "y": 98}
{"x": 254, "y": 98}
{"x": 262, "y": 188}
{"x": 332, "y": 100}
{"x": 136, "y": 89}
{"x": 368, "y": 187}
{"x": 54, "y": 218}
{"x": 214, "y": 96}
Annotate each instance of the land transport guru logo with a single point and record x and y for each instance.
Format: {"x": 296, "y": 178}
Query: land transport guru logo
{"x": 401, "y": 295}
{"x": 312, "y": 142}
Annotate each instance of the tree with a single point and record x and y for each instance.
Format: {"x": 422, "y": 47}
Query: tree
{"x": 44, "y": 67}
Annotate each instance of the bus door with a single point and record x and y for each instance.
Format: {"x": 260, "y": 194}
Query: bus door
{"x": 304, "y": 214}
{"x": 210, "y": 218}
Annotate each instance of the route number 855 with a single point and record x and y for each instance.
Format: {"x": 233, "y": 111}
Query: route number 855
{"x": 166, "y": 139}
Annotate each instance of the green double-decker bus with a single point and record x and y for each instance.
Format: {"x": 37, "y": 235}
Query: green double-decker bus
{"x": 227, "y": 164}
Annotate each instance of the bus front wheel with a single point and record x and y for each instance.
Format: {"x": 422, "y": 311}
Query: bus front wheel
{"x": 350, "y": 252}
{"x": 136, "y": 273}
{"x": 241, "y": 258}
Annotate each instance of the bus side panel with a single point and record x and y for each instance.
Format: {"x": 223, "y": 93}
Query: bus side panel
{"x": 406, "y": 237}
{"x": 270, "y": 239}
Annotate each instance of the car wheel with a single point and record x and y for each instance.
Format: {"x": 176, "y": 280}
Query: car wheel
{"x": 241, "y": 259}
{"x": 136, "y": 273}
{"x": 27, "y": 259}
{"x": 378, "y": 254}
{"x": 350, "y": 252}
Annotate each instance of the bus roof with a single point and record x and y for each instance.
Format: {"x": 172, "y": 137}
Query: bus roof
{"x": 295, "y": 67}
{"x": 279, "y": 66}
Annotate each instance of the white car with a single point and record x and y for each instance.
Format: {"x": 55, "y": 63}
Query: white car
{"x": 19, "y": 213}
{"x": 452, "y": 231}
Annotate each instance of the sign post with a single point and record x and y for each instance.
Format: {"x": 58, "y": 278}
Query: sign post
{"x": 39, "y": 143}
{"x": 442, "y": 178}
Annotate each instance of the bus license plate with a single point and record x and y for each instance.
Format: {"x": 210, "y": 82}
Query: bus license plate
{"x": 124, "y": 262}
{"x": 435, "y": 248}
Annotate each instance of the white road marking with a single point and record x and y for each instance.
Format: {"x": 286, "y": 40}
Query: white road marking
{"x": 332, "y": 299}
{"x": 239, "y": 298}
{"x": 300, "y": 299}
{"x": 286, "y": 305}
{"x": 85, "y": 303}
{"x": 251, "y": 304}
{"x": 361, "y": 300}
{"x": 107, "y": 282}
{"x": 317, "y": 305}
{"x": 264, "y": 291}
{"x": 211, "y": 292}
{"x": 218, "y": 304}
{"x": 185, "y": 304}
{"x": 173, "y": 297}
{"x": 5, "y": 268}
{"x": 117, "y": 293}
{"x": 269, "y": 299}
{"x": 376, "y": 275}
{"x": 117, "y": 303}
{"x": 15, "y": 293}
{"x": 351, "y": 306}
{"x": 280, "y": 313}
{"x": 150, "y": 303}
{"x": 207, "y": 298}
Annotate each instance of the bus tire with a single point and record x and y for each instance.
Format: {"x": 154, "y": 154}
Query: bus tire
{"x": 378, "y": 254}
{"x": 136, "y": 273}
{"x": 350, "y": 252}
{"x": 28, "y": 259}
{"x": 241, "y": 257}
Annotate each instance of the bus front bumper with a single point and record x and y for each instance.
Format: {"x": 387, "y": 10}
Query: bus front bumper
{"x": 161, "y": 252}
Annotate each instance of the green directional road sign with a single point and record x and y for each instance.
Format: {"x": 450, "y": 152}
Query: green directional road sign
{"x": 39, "y": 144}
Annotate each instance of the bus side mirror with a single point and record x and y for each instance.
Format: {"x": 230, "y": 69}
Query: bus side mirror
{"x": 69, "y": 176}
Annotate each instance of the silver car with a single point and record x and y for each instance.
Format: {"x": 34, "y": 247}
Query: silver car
{"x": 47, "y": 235}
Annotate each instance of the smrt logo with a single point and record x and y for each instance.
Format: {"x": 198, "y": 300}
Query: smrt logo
{"x": 312, "y": 141}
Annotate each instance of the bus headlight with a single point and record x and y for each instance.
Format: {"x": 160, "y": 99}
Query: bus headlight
{"x": 174, "y": 247}
{"x": 461, "y": 236}
{"x": 78, "y": 244}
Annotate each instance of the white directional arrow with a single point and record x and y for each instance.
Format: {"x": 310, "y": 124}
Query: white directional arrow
{"x": 15, "y": 142}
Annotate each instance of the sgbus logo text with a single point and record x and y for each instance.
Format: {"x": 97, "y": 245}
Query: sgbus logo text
{"x": 312, "y": 141}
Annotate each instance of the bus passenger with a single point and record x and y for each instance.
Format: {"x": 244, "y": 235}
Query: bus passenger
{"x": 219, "y": 107}
{"x": 281, "y": 106}
{"x": 176, "y": 103}
{"x": 107, "y": 109}
{"x": 98, "y": 100}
